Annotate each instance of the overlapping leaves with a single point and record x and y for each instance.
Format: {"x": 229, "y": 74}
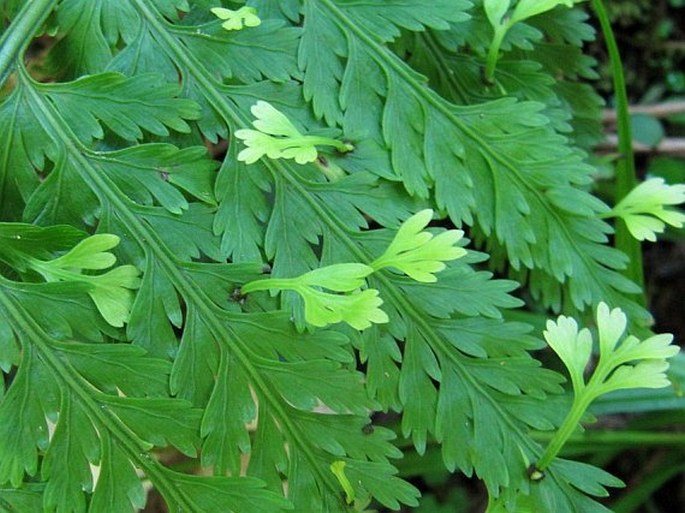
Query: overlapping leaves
{"x": 292, "y": 399}
{"x": 81, "y": 415}
{"x": 164, "y": 232}
{"x": 530, "y": 69}
{"x": 534, "y": 203}
{"x": 302, "y": 198}
{"x": 112, "y": 292}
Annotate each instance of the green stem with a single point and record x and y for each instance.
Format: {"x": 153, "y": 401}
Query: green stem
{"x": 493, "y": 52}
{"x": 626, "y": 177}
{"x": 54, "y": 273}
{"x": 20, "y": 33}
{"x": 317, "y": 140}
{"x": 410, "y": 465}
{"x": 269, "y": 284}
{"x": 620, "y": 439}
{"x": 580, "y": 405}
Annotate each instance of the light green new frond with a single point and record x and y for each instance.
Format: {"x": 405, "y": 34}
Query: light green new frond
{"x": 237, "y": 19}
{"x": 276, "y": 137}
{"x": 611, "y": 324}
{"x": 112, "y": 292}
{"x": 338, "y": 277}
{"x": 90, "y": 253}
{"x": 28, "y": 247}
{"x": 635, "y": 363}
{"x": 338, "y": 470}
{"x": 271, "y": 121}
{"x": 495, "y": 10}
{"x": 654, "y": 347}
{"x": 419, "y": 254}
{"x": 528, "y": 8}
{"x": 617, "y": 358}
{"x": 574, "y": 348}
{"x": 534, "y": 202}
{"x": 18, "y": 241}
{"x": 625, "y": 364}
{"x": 358, "y": 308}
{"x": 645, "y": 209}
{"x": 645, "y": 374}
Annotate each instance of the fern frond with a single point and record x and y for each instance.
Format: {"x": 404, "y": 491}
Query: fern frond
{"x": 164, "y": 244}
{"x": 266, "y": 51}
{"x": 239, "y": 382}
{"x": 446, "y": 149}
{"x": 64, "y": 402}
{"x": 91, "y": 30}
{"x": 307, "y": 201}
{"x": 300, "y": 196}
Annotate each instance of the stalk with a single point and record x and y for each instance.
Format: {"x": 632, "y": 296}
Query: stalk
{"x": 626, "y": 177}
{"x": 567, "y": 428}
{"x": 493, "y": 52}
{"x": 21, "y": 31}
{"x": 618, "y": 439}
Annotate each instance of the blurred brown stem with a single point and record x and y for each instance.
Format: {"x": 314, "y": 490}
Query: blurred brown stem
{"x": 658, "y": 110}
{"x": 674, "y": 146}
